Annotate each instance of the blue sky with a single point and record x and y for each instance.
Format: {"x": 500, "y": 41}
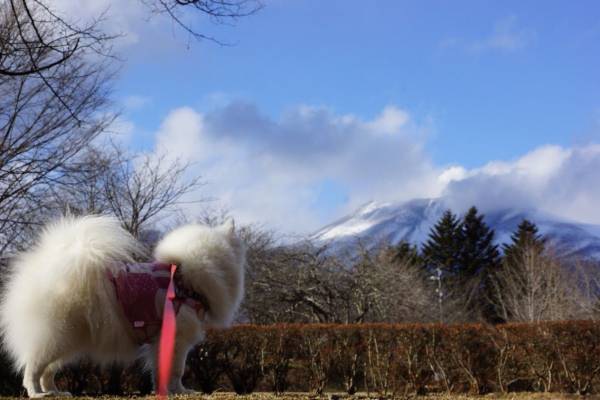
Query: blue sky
{"x": 488, "y": 103}
{"x": 386, "y": 100}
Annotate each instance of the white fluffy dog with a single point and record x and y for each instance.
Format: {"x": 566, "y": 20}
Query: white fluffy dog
{"x": 60, "y": 300}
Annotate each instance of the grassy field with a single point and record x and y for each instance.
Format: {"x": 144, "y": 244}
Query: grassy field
{"x": 305, "y": 396}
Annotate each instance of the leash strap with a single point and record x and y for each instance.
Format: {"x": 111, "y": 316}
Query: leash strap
{"x": 167, "y": 339}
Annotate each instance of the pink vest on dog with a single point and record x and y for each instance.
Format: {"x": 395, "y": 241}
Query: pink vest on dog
{"x": 140, "y": 288}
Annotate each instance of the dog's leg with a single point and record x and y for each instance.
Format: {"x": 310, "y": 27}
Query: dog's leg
{"x": 178, "y": 367}
{"x": 47, "y": 381}
{"x": 179, "y": 358}
{"x": 46, "y": 357}
{"x": 31, "y": 379}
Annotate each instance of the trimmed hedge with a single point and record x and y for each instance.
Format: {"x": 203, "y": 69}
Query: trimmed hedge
{"x": 382, "y": 359}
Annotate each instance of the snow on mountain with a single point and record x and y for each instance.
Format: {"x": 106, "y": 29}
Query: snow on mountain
{"x": 411, "y": 221}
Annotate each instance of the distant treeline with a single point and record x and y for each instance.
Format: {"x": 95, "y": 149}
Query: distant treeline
{"x": 458, "y": 275}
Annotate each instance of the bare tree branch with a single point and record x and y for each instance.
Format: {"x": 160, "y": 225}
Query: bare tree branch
{"x": 219, "y": 11}
{"x": 45, "y": 122}
{"x": 139, "y": 189}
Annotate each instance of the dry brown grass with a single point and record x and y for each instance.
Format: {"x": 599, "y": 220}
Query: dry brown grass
{"x": 305, "y": 396}
{"x": 331, "y": 396}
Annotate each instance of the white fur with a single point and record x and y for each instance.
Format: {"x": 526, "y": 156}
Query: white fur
{"x": 211, "y": 263}
{"x": 58, "y": 304}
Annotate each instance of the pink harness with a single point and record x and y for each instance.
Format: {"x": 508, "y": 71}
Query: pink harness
{"x": 140, "y": 288}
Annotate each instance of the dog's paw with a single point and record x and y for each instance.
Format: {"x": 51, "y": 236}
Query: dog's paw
{"x": 183, "y": 390}
{"x": 52, "y": 393}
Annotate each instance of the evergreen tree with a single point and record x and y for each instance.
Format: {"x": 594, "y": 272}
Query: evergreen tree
{"x": 442, "y": 249}
{"x": 478, "y": 253}
{"x": 479, "y": 258}
{"x": 525, "y": 237}
{"x": 404, "y": 252}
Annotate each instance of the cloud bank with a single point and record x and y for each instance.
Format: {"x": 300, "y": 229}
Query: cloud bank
{"x": 561, "y": 181}
{"x": 284, "y": 172}
{"x": 299, "y": 171}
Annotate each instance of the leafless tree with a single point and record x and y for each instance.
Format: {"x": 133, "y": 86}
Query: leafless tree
{"x": 83, "y": 189}
{"x": 587, "y": 276}
{"x": 142, "y": 188}
{"x": 287, "y": 283}
{"x": 37, "y": 43}
{"x": 138, "y": 189}
{"x": 54, "y": 102}
{"x": 386, "y": 288}
{"x": 34, "y": 39}
{"x": 45, "y": 121}
{"x": 539, "y": 286}
{"x": 304, "y": 283}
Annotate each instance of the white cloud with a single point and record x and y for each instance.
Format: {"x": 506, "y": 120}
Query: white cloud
{"x": 452, "y": 174}
{"x": 562, "y": 181}
{"x": 271, "y": 170}
{"x": 180, "y": 135}
{"x": 390, "y": 121}
{"x": 507, "y": 35}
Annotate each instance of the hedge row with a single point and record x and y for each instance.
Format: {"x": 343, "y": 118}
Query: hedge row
{"x": 381, "y": 359}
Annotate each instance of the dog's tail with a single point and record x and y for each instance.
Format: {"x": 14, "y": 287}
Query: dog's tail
{"x": 212, "y": 262}
{"x": 69, "y": 258}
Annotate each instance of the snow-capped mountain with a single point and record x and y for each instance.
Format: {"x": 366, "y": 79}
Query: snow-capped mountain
{"x": 411, "y": 221}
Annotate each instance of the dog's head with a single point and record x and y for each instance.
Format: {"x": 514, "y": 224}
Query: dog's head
{"x": 211, "y": 261}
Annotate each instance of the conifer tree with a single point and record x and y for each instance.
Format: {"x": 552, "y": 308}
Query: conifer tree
{"x": 441, "y": 253}
{"x": 478, "y": 260}
{"x": 525, "y": 237}
{"x": 404, "y": 252}
{"x": 442, "y": 249}
{"x": 478, "y": 253}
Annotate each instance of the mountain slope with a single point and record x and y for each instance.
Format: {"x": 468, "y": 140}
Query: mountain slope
{"x": 411, "y": 221}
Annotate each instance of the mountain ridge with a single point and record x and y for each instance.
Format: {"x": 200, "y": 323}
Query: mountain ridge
{"x": 412, "y": 220}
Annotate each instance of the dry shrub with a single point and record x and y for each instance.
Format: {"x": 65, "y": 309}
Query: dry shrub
{"x": 279, "y": 355}
{"x": 244, "y": 352}
{"x": 472, "y": 354}
{"x": 317, "y": 356}
{"x": 205, "y": 365}
{"x": 380, "y": 360}
{"x": 576, "y": 353}
{"x": 416, "y": 354}
{"x": 386, "y": 359}
{"x": 349, "y": 356}
{"x": 535, "y": 354}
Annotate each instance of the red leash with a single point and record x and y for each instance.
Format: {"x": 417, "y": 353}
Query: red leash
{"x": 167, "y": 339}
